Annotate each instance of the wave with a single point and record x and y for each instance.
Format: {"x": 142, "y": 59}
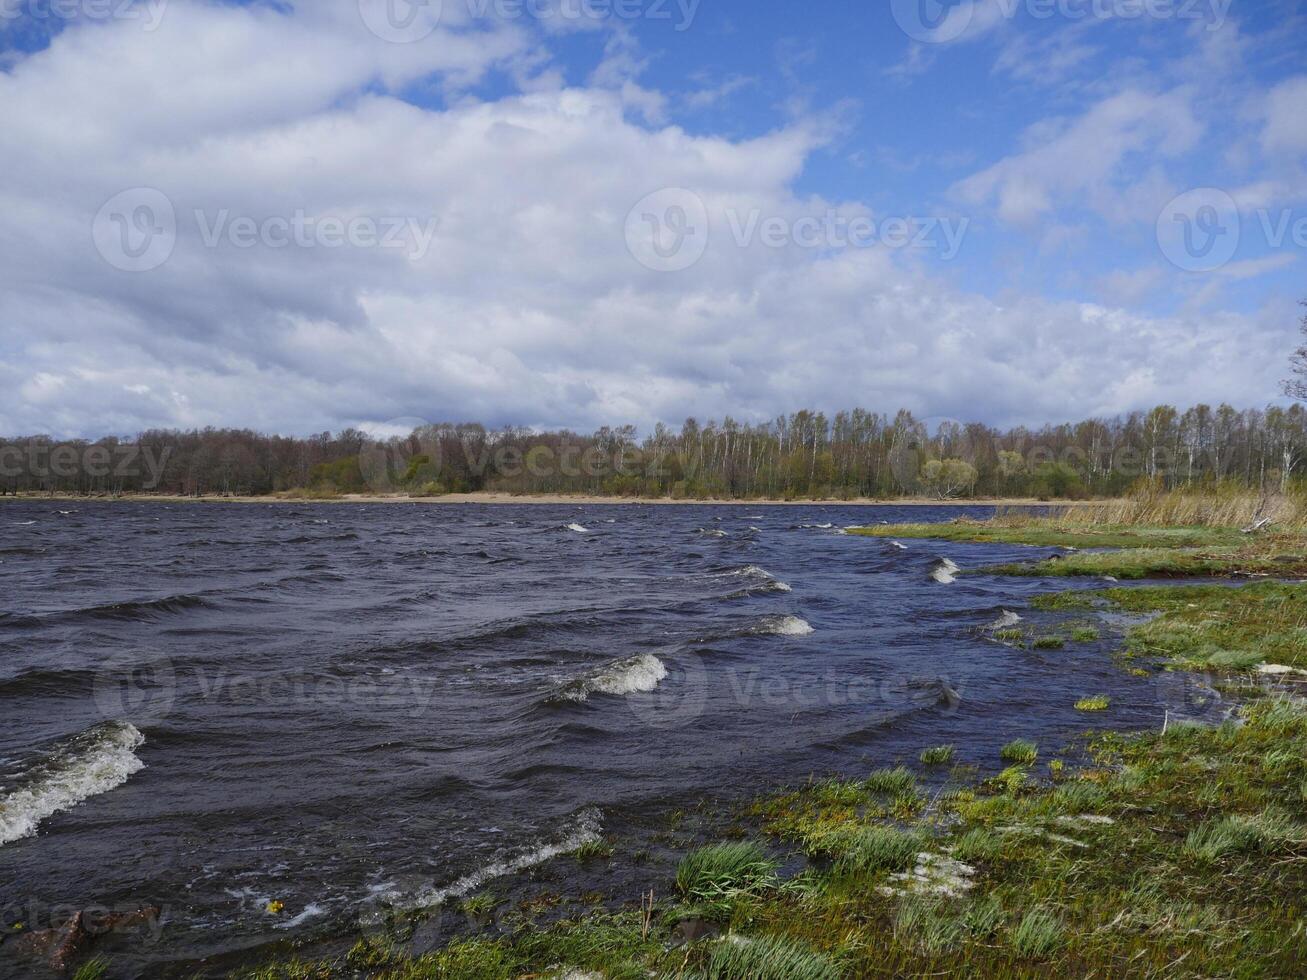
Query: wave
{"x": 782, "y": 626}
{"x": 139, "y": 609}
{"x": 1005, "y": 621}
{"x": 714, "y": 533}
{"x": 577, "y": 528}
{"x": 585, "y": 829}
{"x": 765, "y": 581}
{"x": 634, "y": 674}
{"x": 94, "y": 762}
{"x": 945, "y": 572}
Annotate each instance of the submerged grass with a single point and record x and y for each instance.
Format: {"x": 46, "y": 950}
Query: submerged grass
{"x": 1056, "y": 533}
{"x": 1225, "y": 627}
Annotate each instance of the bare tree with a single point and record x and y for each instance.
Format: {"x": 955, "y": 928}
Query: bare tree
{"x": 1296, "y": 386}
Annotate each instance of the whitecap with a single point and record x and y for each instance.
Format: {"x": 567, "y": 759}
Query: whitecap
{"x": 627, "y": 676}
{"x": 585, "y": 830}
{"x": 773, "y": 584}
{"x": 94, "y": 762}
{"x": 784, "y": 626}
{"x": 945, "y": 572}
{"x": 578, "y": 529}
{"x": 311, "y": 911}
{"x": 1005, "y": 621}
{"x": 899, "y": 545}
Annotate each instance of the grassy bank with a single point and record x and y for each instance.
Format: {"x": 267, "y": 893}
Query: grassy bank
{"x": 1167, "y": 855}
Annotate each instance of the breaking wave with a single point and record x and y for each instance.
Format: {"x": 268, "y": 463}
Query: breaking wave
{"x": 782, "y": 626}
{"x": 94, "y": 762}
{"x": 584, "y": 830}
{"x": 642, "y": 673}
{"x": 578, "y": 528}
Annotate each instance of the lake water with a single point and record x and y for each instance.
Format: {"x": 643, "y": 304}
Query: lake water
{"x": 352, "y": 708}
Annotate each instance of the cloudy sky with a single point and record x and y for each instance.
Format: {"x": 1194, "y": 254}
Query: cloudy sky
{"x": 298, "y": 215}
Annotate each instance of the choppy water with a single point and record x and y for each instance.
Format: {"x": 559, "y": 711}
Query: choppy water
{"x": 207, "y": 707}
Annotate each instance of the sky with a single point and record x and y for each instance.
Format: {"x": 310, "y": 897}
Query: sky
{"x": 307, "y": 215}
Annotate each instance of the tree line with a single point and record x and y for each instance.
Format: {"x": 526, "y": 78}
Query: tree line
{"x": 807, "y": 454}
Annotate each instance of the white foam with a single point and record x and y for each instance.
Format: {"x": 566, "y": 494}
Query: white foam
{"x": 945, "y": 572}
{"x": 755, "y": 572}
{"x": 578, "y": 529}
{"x": 899, "y": 544}
{"x": 1006, "y": 620}
{"x": 94, "y": 762}
{"x": 785, "y": 626}
{"x": 714, "y": 533}
{"x": 585, "y": 831}
{"x": 311, "y": 911}
{"x": 634, "y": 674}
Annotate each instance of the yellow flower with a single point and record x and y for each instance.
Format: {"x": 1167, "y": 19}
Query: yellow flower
{"x": 275, "y": 907}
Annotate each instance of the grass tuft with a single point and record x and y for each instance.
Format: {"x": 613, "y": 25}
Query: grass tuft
{"x": 893, "y": 782}
{"x": 1039, "y": 933}
{"x": 723, "y": 871}
{"x": 767, "y": 958}
{"x": 938, "y": 755}
{"x": 1021, "y": 751}
{"x": 1098, "y": 702}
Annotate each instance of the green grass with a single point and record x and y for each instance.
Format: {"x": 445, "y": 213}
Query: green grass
{"x": 891, "y": 781}
{"x": 1232, "y": 628}
{"x": 1097, "y": 702}
{"x": 1021, "y": 751}
{"x": 723, "y": 871}
{"x": 767, "y": 958}
{"x": 937, "y": 755}
{"x": 593, "y": 850}
{"x": 1048, "y": 643}
{"x": 1084, "y": 634}
{"x": 878, "y": 848}
{"x": 1038, "y": 933}
{"x": 1052, "y": 533}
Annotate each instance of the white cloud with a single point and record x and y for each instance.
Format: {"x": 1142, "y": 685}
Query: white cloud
{"x": 1082, "y": 161}
{"x": 528, "y": 307}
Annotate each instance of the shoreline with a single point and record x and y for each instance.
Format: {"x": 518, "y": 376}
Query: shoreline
{"x": 550, "y": 499}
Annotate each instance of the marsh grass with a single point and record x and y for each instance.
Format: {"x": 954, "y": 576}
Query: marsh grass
{"x": 724, "y": 871}
{"x": 893, "y": 782}
{"x": 1217, "y": 626}
{"x": 879, "y": 848}
{"x": 1021, "y": 751}
{"x": 1038, "y": 933}
{"x": 1097, "y": 702}
{"x": 937, "y": 755}
{"x": 767, "y": 958}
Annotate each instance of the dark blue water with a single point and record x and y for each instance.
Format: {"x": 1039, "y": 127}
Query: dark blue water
{"x": 341, "y": 706}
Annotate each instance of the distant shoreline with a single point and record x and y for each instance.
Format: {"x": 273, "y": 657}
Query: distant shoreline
{"x": 545, "y": 499}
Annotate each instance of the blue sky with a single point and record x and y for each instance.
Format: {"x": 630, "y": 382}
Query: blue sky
{"x": 1053, "y": 139}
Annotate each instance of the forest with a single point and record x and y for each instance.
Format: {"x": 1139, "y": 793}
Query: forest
{"x": 808, "y": 454}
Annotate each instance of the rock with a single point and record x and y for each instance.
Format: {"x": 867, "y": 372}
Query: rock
{"x": 59, "y": 946}
{"x": 692, "y": 930}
